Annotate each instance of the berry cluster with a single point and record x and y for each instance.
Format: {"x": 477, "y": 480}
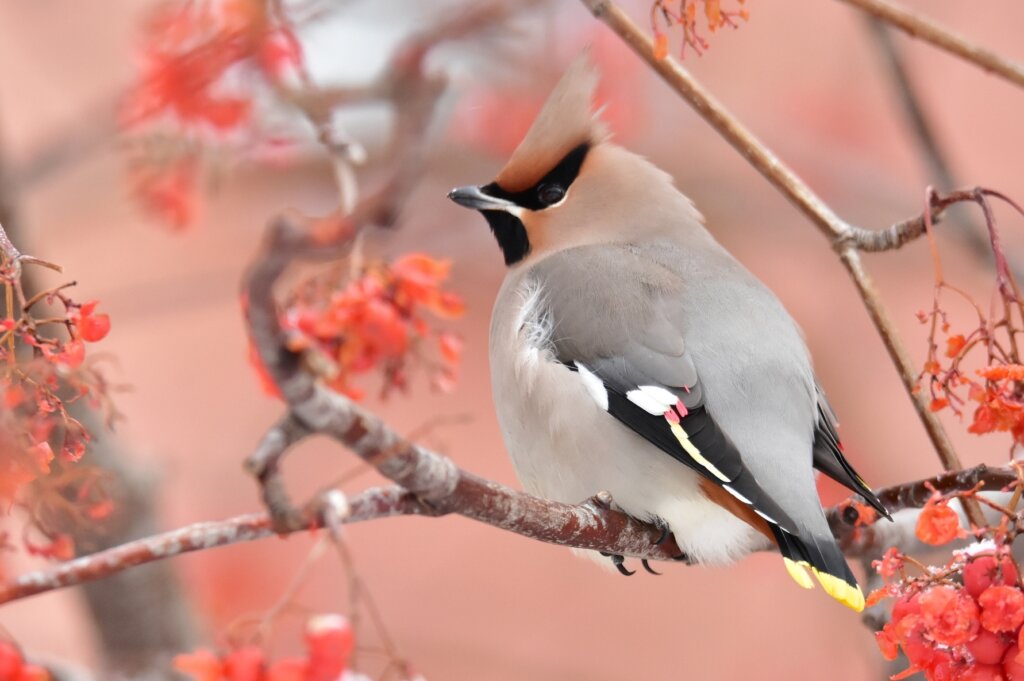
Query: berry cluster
{"x": 376, "y": 321}
{"x": 329, "y": 645}
{"x": 967, "y": 631}
{"x": 43, "y": 370}
{"x": 200, "y": 61}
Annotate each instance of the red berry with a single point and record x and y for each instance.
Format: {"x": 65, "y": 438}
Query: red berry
{"x": 10, "y": 661}
{"x": 941, "y": 666}
{"x": 906, "y": 605}
{"x": 33, "y": 672}
{"x": 1013, "y": 669}
{"x": 982, "y": 672}
{"x": 918, "y": 651}
{"x": 244, "y": 664}
{"x": 288, "y": 669}
{"x": 330, "y": 641}
{"x": 950, "y": 616}
{"x": 1002, "y": 608}
{"x": 988, "y": 648}
{"x": 984, "y": 571}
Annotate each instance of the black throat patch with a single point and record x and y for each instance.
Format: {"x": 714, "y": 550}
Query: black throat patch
{"x": 509, "y": 230}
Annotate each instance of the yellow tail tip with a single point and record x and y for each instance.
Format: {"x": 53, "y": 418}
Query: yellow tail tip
{"x": 847, "y": 594}
{"x": 798, "y": 572}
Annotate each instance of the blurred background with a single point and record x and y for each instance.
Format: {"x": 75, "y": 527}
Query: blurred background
{"x": 462, "y": 600}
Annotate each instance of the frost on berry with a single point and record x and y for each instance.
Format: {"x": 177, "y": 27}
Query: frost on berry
{"x": 957, "y": 621}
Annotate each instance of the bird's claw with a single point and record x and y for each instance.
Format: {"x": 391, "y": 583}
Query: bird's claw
{"x": 619, "y": 562}
{"x": 647, "y": 566}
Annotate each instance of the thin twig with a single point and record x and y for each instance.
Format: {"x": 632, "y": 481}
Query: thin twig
{"x": 942, "y": 37}
{"x": 843, "y": 237}
{"x": 938, "y": 167}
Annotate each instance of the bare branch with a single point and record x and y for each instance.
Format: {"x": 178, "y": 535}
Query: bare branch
{"x": 927, "y": 30}
{"x": 590, "y": 526}
{"x": 843, "y": 237}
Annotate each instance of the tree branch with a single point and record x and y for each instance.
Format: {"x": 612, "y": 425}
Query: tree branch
{"x": 941, "y": 37}
{"x": 844, "y": 238}
{"x": 589, "y": 526}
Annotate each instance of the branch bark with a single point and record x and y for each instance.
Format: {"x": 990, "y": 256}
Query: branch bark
{"x": 845, "y": 238}
{"x": 588, "y": 526}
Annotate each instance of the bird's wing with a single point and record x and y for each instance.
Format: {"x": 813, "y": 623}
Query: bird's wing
{"x": 670, "y": 414}
{"x": 829, "y": 459}
{"x": 627, "y": 345}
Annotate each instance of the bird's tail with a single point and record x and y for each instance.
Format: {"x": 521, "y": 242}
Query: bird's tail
{"x": 808, "y": 554}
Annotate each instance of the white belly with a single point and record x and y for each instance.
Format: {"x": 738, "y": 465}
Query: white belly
{"x": 567, "y": 448}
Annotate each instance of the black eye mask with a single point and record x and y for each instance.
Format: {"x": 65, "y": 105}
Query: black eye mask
{"x": 549, "y": 189}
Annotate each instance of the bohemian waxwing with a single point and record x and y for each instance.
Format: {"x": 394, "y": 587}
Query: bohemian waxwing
{"x": 631, "y": 353}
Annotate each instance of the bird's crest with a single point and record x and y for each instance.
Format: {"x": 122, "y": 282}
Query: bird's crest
{"x": 566, "y": 121}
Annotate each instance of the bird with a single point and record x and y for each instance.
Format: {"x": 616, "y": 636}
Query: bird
{"x": 630, "y": 353}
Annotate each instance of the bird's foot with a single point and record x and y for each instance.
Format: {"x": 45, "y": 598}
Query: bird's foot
{"x": 663, "y": 527}
{"x": 619, "y": 563}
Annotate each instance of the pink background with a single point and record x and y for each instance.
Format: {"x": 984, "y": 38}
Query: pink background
{"x": 465, "y": 601}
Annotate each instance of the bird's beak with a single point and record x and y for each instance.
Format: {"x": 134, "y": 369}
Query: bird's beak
{"x": 473, "y": 197}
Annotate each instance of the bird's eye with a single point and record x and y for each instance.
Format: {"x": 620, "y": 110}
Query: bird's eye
{"x": 549, "y": 194}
